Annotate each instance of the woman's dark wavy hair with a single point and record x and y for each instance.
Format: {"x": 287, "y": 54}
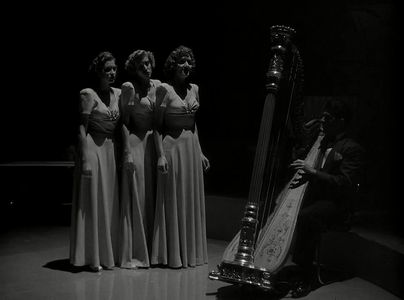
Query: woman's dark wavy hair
{"x": 134, "y": 59}
{"x": 99, "y": 61}
{"x": 96, "y": 65}
{"x": 174, "y": 57}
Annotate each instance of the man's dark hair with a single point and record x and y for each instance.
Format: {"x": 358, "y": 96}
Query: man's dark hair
{"x": 339, "y": 109}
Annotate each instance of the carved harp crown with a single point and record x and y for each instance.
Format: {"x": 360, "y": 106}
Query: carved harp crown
{"x": 280, "y": 41}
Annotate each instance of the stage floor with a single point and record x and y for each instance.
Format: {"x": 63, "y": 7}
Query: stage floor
{"x": 34, "y": 265}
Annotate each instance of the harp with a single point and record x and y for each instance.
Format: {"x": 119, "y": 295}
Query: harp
{"x": 262, "y": 245}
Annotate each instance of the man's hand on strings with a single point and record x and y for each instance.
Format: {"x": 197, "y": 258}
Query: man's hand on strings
{"x": 300, "y": 164}
{"x": 304, "y": 172}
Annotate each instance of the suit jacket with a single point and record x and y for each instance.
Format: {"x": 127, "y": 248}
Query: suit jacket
{"x": 338, "y": 179}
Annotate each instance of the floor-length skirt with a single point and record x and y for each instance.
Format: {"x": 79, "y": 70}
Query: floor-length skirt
{"x": 137, "y": 203}
{"x": 95, "y": 209}
{"x": 179, "y": 237}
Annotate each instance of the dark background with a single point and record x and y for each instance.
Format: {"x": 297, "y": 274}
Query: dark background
{"x": 349, "y": 48}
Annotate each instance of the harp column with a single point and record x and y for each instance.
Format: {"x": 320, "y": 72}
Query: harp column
{"x": 280, "y": 40}
{"x": 242, "y": 268}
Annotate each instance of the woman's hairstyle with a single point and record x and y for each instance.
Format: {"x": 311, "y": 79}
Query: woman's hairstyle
{"x": 99, "y": 61}
{"x": 134, "y": 59}
{"x": 173, "y": 59}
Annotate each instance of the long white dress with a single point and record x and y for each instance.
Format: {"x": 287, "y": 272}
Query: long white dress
{"x": 179, "y": 238}
{"x": 138, "y": 188}
{"x": 95, "y": 209}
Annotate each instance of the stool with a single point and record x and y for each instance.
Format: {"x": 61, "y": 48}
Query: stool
{"x": 342, "y": 227}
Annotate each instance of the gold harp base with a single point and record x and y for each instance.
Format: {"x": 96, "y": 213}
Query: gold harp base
{"x": 239, "y": 273}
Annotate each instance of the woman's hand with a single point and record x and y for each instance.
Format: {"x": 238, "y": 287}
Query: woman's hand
{"x": 205, "y": 163}
{"x": 86, "y": 168}
{"x": 128, "y": 164}
{"x": 162, "y": 165}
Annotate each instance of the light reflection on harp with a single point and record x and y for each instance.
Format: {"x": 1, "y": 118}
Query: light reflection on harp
{"x": 261, "y": 247}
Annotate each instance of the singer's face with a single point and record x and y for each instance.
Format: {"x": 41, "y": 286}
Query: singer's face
{"x": 184, "y": 67}
{"x": 108, "y": 72}
{"x": 144, "y": 68}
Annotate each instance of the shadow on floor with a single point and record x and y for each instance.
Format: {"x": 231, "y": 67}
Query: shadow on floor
{"x": 64, "y": 265}
{"x": 242, "y": 292}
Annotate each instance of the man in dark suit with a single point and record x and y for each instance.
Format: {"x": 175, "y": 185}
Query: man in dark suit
{"x": 332, "y": 185}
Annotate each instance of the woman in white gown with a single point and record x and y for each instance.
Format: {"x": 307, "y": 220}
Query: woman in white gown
{"x": 94, "y": 223}
{"x": 138, "y": 186}
{"x": 179, "y": 237}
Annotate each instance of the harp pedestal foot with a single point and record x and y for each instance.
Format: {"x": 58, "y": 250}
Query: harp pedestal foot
{"x": 238, "y": 273}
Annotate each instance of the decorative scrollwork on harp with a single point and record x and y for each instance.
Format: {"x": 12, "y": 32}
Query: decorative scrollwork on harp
{"x": 262, "y": 243}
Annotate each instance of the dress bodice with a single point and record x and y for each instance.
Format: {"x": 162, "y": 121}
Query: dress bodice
{"x": 139, "y": 110}
{"x": 103, "y": 119}
{"x": 179, "y": 113}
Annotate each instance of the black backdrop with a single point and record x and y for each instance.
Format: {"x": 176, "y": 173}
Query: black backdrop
{"x": 349, "y": 49}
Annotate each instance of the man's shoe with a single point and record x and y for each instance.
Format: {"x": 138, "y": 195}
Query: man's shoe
{"x": 302, "y": 289}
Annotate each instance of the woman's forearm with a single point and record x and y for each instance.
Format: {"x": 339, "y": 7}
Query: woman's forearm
{"x": 158, "y": 140}
{"x": 197, "y": 139}
{"x": 125, "y": 140}
{"x": 83, "y": 142}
